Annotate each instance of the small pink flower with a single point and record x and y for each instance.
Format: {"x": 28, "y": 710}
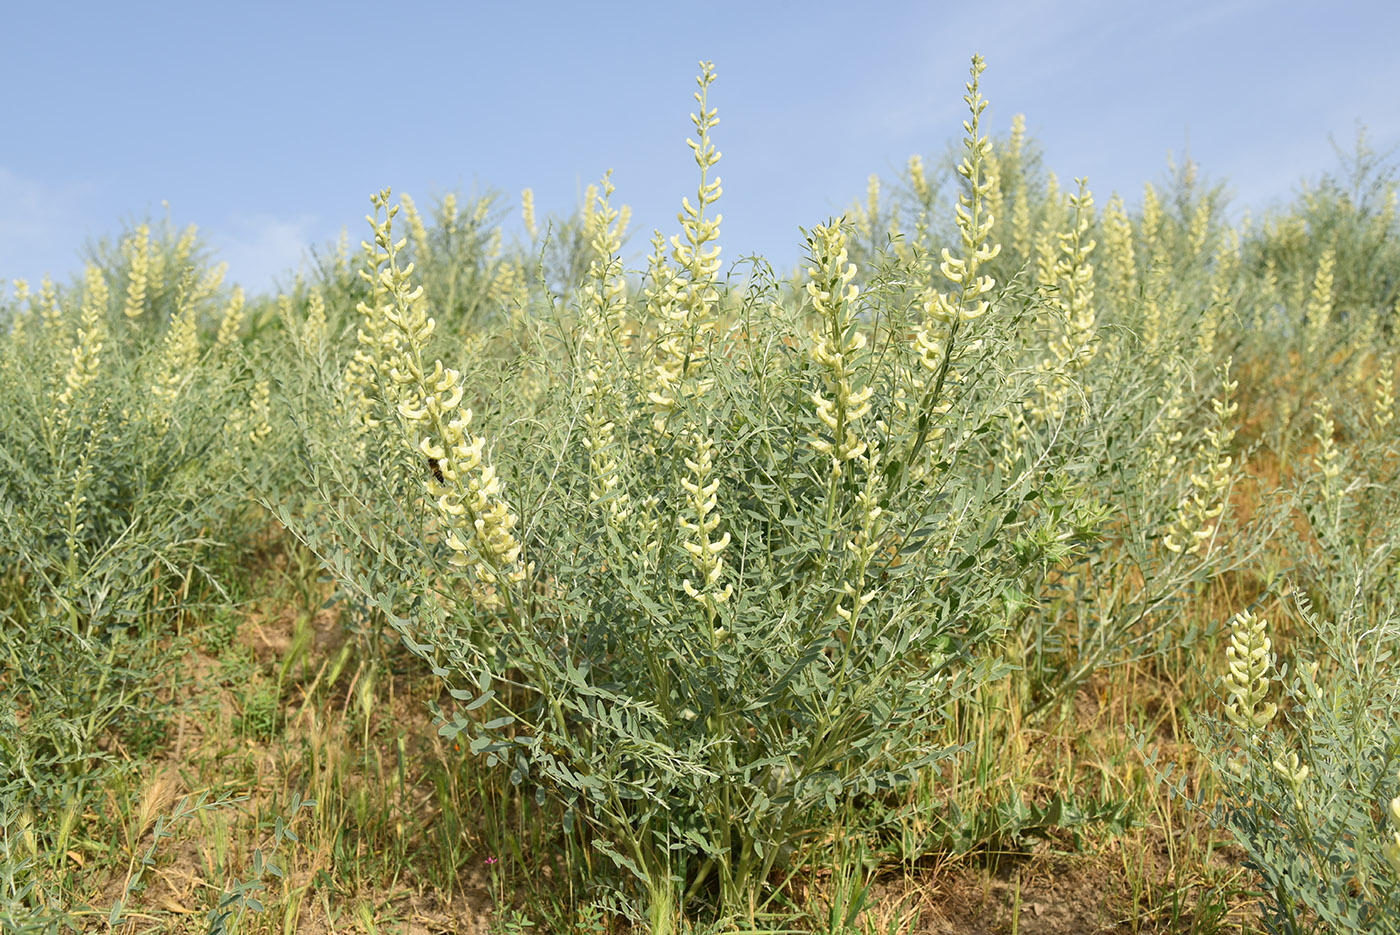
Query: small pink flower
{"x": 490, "y": 861}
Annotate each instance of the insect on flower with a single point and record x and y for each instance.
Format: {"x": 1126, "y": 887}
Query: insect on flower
{"x": 435, "y": 466}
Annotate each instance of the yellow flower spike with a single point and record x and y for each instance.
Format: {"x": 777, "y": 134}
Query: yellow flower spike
{"x": 208, "y": 284}
{"x": 231, "y": 321}
{"x": 964, "y": 303}
{"x": 421, "y": 247}
{"x": 527, "y": 213}
{"x": 865, "y": 541}
{"x": 1328, "y": 459}
{"x": 685, "y": 298}
{"x": 697, "y": 520}
{"x": 918, "y": 180}
{"x": 92, "y": 333}
{"x": 603, "y": 302}
{"x": 1192, "y": 531}
{"x": 835, "y": 346}
{"x": 1069, "y": 298}
{"x": 471, "y": 507}
{"x": 449, "y": 212}
{"x": 260, "y": 406}
{"x": 1318, "y": 310}
{"x": 137, "y": 249}
{"x": 1384, "y": 410}
{"x": 1249, "y": 657}
{"x": 1120, "y": 263}
{"x": 179, "y": 353}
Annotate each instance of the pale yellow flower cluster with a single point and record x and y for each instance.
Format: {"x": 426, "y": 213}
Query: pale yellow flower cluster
{"x": 449, "y": 213}
{"x": 865, "y": 543}
{"x": 1249, "y": 657}
{"x": 1193, "y": 530}
{"x": 178, "y": 356}
{"x": 918, "y": 180}
{"x": 1319, "y": 305}
{"x": 184, "y": 247}
{"x": 705, "y": 553}
{"x": 1120, "y": 263}
{"x": 967, "y": 299}
{"x": 1166, "y": 427}
{"x": 377, "y": 342}
{"x": 1153, "y": 247}
{"x": 1068, "y": 296}
{"x": 1291, "y": 767}
{"x": 468, "y": 500}
{"x": 836, "y": 343}
{"x": 342, "y": 252}
{"x": 50, "y": 314}
{"x": 685, "y": 299}
{"x": 527, "y": 213}
{"x": 1053, "y": 219}
{"x": 1074, "y": 345}
{"x": 1198, "y": 231}
{"x": 260, "y": 409}
{"x": 945, "y": 313}
{"x": 231, "y": 322}
{"x": 604, "y": 301}
{"x": 208, "y": 285}
{"x": 92, "y": 332}
{"x": 421, "y": 248}
{"x": 22, "y": 294}
{"x": 1222, "y": 282}
{"x": 1328, "y": 459}
{"x": 137, "y": 249}
{"x": 1384, "y": 412}
{"x": 1021, "y": 232}
{"x": 1392, "y": 847}
{"x": 313, "y": 333}
{"x": 867, "y": 218}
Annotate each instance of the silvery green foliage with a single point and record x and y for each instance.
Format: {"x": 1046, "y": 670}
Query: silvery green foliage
{"x": 693, "y": 739}
{"x": 1305, "y": 798}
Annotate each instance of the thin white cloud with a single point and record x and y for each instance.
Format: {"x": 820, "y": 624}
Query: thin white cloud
{"x": 1197, "y": 20}
{"x": 1023, "y": 43}
{"x": 263, "y": 250}
{"x": 41, "y": 228}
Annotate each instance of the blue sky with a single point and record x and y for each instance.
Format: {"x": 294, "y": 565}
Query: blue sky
{"x": 269, "y": 125}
